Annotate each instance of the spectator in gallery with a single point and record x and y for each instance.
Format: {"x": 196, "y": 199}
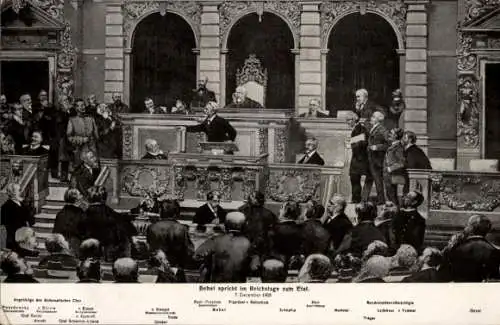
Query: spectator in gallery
{"x": 377, "y": 147}
{"x": 26, "y": 244}
{"x": 337, "y": 223}
{"x": 394, "y": 165}
{"x": 18, "y": 128}
{"x": 201, "y": 95}
{"x": 126, "y": 270}
{"x": 210, "y": 212}
{"x": 85, "y": 174}
{"x": 374, "y": 270}
{"x": 108, "y": 128}
{"x": 4, "y": 108}
{"x": 315, "y": 110}
{"x": 474, "y": 259}
{"x": 15, "y": 214}
{"x": 153, "y": 151}
{"x": 395, "y": 110}
{"x": 215, "y": 127}
{"x": 414, "y": 155}
{"x": 69, "y": 218}
{"x": 59, "y": 252}
{"x": 363, "y": 106}
{"x": 91, "y": 108}
{"x": 311, "y": 155}
{"x": 117, "y": 106}
{"x": 240, "y": 99}
{"x": 27, "y": 113}
{"x": 89, "y": 271}
{"x": 64, "y": 112}
{"x": 35, "y": 148}
{"x": 179, "y": 108}
{"x": 226, "y": 258}
{"x": 359, "y": 165}
{"x": 273, "y": 271}
{"x": 409, "y": 224}
{"x": 82, "y": 132}
{"x": 16, "y": 268}
{"x": 7, "y": 146}
{"x": 315, "y": 237}
{"x": 430, "y": 261}
{"x": 317, "y": 268}
{"x": 152, "y": 109}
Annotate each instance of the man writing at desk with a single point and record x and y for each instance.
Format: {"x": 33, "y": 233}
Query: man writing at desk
{"x": 215, "y": 127}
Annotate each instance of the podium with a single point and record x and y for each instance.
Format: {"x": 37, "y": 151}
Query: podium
{"x": 219, "y": 148}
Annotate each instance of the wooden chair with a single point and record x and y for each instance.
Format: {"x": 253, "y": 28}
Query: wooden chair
{"x": 253, "y": 77}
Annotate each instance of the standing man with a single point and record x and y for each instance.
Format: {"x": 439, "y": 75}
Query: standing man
{"x": 92, "y": 104}
{"x": 377, "y": 147}
{"x": 363, "y": 107}
{"x": 415, "y": 157}
{"x": 28, "y": 114}
{"x": 15, "y": 214}
{"x": 394, "y": 166}
{"x": 311, "y": 156}
{"x": 395, "y": 110}
{"x": 48, "y": 126}
{"x": 117, "y": 106}
{"x": 85, "y": 174}
{"x": 64, "y": 151}
{"x": 202, "y": 95}
{"x": 359, "y": 162}
{"x": 215, "y": 127}
{"x": 81, "y": 132}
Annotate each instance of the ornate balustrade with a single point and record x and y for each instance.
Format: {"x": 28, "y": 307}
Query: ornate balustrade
{"x": 30, "y": 172}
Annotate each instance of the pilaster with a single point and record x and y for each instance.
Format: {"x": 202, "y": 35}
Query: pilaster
{"x": 209, "y": 64}
{"x": 114, "y": 53}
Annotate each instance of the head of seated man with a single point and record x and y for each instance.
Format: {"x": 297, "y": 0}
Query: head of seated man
{"x": 478, "y": 225}
{"x": 374, "y": 269}
{"x": 126, "y": 270}
{"x": 240, "y": 94}
{"x": 170, "y": 209}
{"x": 376, "y": 247}
{"x": 273, "y": 271}
{"x": 59, "y": 251}
{"x": 16, "y": 268}
{"x": 26, "y": 243}
{"x": 179, "y": 107}
{"x": 234, "y": 222}
{"x": 89, "y": 159}
{"x": 431, "y": 258}
{"x": 90, "y": 248}
{"x": 315, "y": 211}
{"x": 315, "y": 109}
{"x": 405, "y": 258}
{"x": 290, "y": 211}
{"x": 337, "y": 205}
{"x": 153, "y": 150}
{"x": 316, "y": 268}
{"x": 211, "y": 109}
{"x": 149, "y": 105}
{"x": 89, "y": 271}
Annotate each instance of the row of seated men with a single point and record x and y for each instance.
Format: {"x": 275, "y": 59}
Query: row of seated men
{"x": 252, "y": 240}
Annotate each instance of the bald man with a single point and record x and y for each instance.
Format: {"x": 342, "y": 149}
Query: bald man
{"x": 273, "y": 271}
{"x": 240, "y": 100}
{"x": 377, "y": 147}
{"x": 153, "y": 151}
{"x": 226, "y": 258}
{"x": 126, "y": 270}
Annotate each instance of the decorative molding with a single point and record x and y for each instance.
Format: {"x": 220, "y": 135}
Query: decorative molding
{"x": 465, "y": 192}
{"x": 468, "y": 114}
{"x": 133, "y": 11}
{"x": 280, "y": 145}
{"x": 296, "y": 185}
{"x": 128, "y": 142}
{"x": 252, "y": 70}
{"x": 149, "y": 182}
{"x": 179, "y": 182}
{"x": 202, "y": 183}
{"x": 476, "y": 8}
{"x": 466, "y": 60}
{"x": 494, "y": 43}
{"x": 263, "y": 140}
{"x": 249, "y": 181}
{"x": 230, "y": 12}
{"x": 225, "y": 184}
{"x": 394, "y": 10}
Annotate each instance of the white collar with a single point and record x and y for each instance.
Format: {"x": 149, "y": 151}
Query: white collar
{"x": 309, "y": 155}
{"x": 211, "y": 118}
{"x": 16, "y": 201}
{"x": 211, "y": 208}
{"x": 374, "y": 127}
{"x": 409, "y": 146}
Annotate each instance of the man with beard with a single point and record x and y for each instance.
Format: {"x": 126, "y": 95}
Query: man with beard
{"x": 153, "y": 151}
{"x": 359, "y": 162}
{"x": 240, "y": 100}
{"x": 202, "y": 95}
{"x": 82, "y": 132}
{"x": 64, "y": 112}
{"x": 29, "y": 116}
{"x": 85, "y": 174}
{"x": 47, "y": 123}
{"x": 337, "y": 224}
{"x": 395, "y": 110}
{"x": 311, "y": 155}
{"x": 364, "y": 107}
{"x": 118, "y": 107}
{"x": 91, "y": 108}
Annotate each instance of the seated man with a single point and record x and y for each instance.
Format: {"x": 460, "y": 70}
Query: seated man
{"x": 273, "y": 271}
{"x": 35, "y": 148}
{"x": 126, "y": 270}
{"x": 15, "y": 214}
{"x": 311, "y": 156}
{"x": 210, "y": 212}
{"x": 179, "y": 108}
{"x": 317, "y": 268}
{"x": 315, "y": 110}
{"x": 153, "y": 150}
{"x": 431, "y": 260}
{"x": 59, "y": 251}
{"x": 84, "y": 175}
{"x": 89, "y": 271}
{"x": 240, "y": 100}
{"x": 16, "y": 268}
{"x": 26, "y": 244}
{"x": 90, "y": 248}
{"x": 152, "y": 109}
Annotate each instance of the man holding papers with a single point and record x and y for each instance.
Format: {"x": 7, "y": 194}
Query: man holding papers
{"x": 359, "y": 161}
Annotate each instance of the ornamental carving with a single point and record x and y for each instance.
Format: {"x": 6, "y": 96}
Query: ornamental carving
{"x": 179, "y": 182}
{"x": 465, "y": 192}
{"x": 476, "y": 8}
{"x": 395, "y": 10}
{"x": 134, "y": 10}
{"x": 296, "y": 185}
{"x": 127, "y": 141}
{"x": 494, "y": 43}
{"x": 263, "y": 144}
{"x": 229, "y": 11}
{"x": 252, "y": 70}
{"x": 202, "y": 183}
{"x": 225, "y": 184}
{"x": 249, "y": 182}
{"x": 279, "y": 145}
{"x": 468, "y": 113}
{"x": 466, "y": 61}
{"x": 148, "y": 182}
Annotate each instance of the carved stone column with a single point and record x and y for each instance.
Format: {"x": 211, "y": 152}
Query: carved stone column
{"x": 310, "y": 72}
{"x": 415, "y": 115}
{"x": 114, "y": 56}
{"x": 210, "y": 56}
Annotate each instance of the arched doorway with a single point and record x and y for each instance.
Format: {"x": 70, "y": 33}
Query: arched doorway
{"x": 270, "y": 38}
{"x": 362, "y": 54}
{"x": 163, "y": 62}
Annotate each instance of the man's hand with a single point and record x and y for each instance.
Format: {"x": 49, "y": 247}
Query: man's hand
{"x": 113, "y": 125}
{"x": 373, "y": 147}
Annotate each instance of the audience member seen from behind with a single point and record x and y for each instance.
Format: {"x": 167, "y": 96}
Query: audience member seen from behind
{"x": 337, "y": 223}
{"x": 59, "y": 251}
{"x": 374, "y": 270}
{"x": 69, "y": 219}
{"x": 315, "y": 237}
{"x": 376, "y": 247}
{"x": 316, "y": 268}
{"x": 429, "y": 262}
{"x": 273, "y": 271}
{"x": 15, "y": 268}
{"x": 405, "y": 259}
{"x": 409, "y": 224}
{"x": 26, "y": 244}
{"x": 90, "y": 248}
{"x": 15, "y": 214}
{"x": 126, "y": 270}
{"x": 89, "y": 271}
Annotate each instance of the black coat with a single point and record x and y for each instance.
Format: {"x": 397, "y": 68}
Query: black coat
{"x": 474, "y": 260}
{"x": 173, "y": 238}
{"x": 286, "y": 240}
{"x": 315, "y": 238}
{"x": 149, "y": 156}
{"x": 416, "y": 158}
{"x": 20, "y": 278}
{"x": 314, "y": 160}
{"x": 68, "y": 222}
{"x": 258, "y": 224}
{"x": 430, "y": 275}
{"x": 13, "y": 217}
{"x": 82, "y": 179}
{"x": 247, "y": 103}
{"x": 200, "y": 100}
{"x": 359, "y": 161}
{"x": 40, "y": 151}
{"x": 409, "y": 228}
{"x": 204, "y": 215}
{"x": 362, "y": 235}
{"x": 377, "y": 137}
{"x": 338, "y": 227}
{"x": 219, "y": 130}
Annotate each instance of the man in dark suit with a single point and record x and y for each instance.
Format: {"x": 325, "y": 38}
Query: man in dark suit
{"x": 28, "y": 116}
{"x": 215, "y": 127}
{"x": 35, "y": 148}
{"x": 16, "y": 268}
{"x": 152, "y": 109}
{"x": 85, "y": 175}
{"x": 414, "y": 155}
{"x": 15, "y": 214}
{"x": 377, "y": 147}
{"x": 409, "y": 225}
{"x": 431, "y": 260}
{"x": 286, "y": 236}
{"x": 153, "y": 151}
{"x": 311, "y": 156}
{"x": 394, "y": 166}
{"x": 210, "y": 212}
{"x": 202, "y": 95}
{"x": 315, "y": 237}
{"x": 475, "y": 259}
{"x": 337, "y": 224}
{"x": 226, "y": 258}
{"x": 240, "y": 100}
{"x": 359, "y": 161}
{"x": 364, "y": 107}
{"x": 118, "y": 107}
{"x": 315, "y": 110}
